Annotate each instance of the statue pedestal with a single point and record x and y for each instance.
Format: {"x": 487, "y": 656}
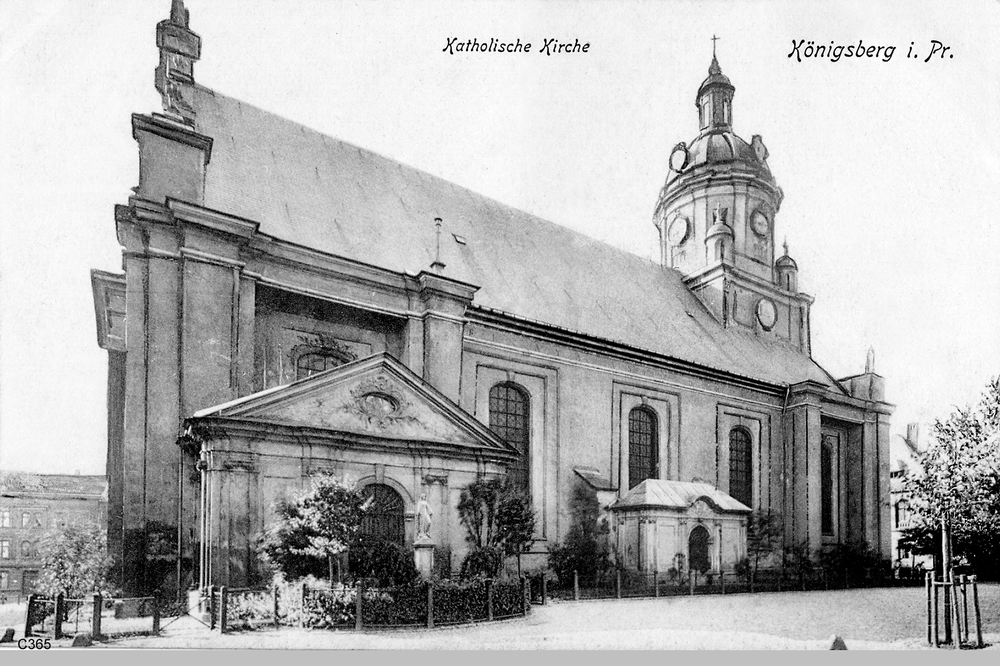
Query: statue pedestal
{"x": 423, "y": 555}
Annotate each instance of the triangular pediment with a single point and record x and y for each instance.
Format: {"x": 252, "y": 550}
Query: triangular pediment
{"x": 374, "y": 398}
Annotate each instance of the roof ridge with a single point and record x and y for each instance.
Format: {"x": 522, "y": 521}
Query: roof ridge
{"x": 424, "y": 172}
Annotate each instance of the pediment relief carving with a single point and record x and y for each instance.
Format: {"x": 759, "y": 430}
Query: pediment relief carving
{"x": 379, "y": 402}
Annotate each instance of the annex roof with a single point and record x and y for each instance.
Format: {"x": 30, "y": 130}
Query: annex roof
{"x": 659, "y": 494}
{"x": 57, "y": 485}
{"x": 323, "y": 193}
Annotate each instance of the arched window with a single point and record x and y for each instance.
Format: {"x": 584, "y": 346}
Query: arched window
{"x": 826, "y": 485}
{"x": 383, "y": 518}
{"x": 741, "y": 466}
{"x": 307, "y": 365}
{"x": 510, "y": 413}
{"x": 643, "y": 446}
{"x": 698, "y": 559}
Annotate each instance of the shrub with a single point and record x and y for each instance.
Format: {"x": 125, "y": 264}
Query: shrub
{"x": 75, "y": 561}
{"x": 584, "y": 549}
{"x": 382, "y": 563}
{"x": 482, "y": 562}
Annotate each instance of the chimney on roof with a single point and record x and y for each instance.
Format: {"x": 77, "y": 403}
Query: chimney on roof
{"x": 179, "y": 48}
{"x": 913, "y": 436}
{"x": 438, "y": 265}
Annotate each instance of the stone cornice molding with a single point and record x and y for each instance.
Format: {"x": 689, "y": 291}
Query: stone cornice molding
{"x": 171, "y": 130}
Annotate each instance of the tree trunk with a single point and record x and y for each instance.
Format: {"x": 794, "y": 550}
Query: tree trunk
{"x": 329, "y": 560}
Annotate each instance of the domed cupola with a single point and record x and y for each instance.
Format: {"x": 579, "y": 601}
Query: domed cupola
{"x": 787, "y": 272}
{"x": 717, "y": 213}
{"x": 715, "y": 98}
{"x": 718, "y": 170}
{"x": 719, "y": 238}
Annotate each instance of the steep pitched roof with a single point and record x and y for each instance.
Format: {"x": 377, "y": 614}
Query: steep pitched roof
{"x": 323, "y": 193}
{"x": 657, "y": 494}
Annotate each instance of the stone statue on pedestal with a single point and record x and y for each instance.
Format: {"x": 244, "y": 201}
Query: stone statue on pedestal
{"x": 424, "y": 515}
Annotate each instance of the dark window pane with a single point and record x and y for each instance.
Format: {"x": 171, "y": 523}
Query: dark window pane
{"x": 509, "y": 419}
{"x": 740, "y": 466}
{"x": 310, "y": 364}
{"x": 826, "y": 483}
{"x": 642, "y": 446}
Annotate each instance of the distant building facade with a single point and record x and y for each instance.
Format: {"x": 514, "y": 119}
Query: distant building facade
{"x": 288, "y": 308}
{"x": 30, "y": 506}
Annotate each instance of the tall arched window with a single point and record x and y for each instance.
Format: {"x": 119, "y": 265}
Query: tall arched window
{"x": 383, "y": 518}
{"x": 510, "y": 414}
{"x": 643, "y": 446}
{"x": 826, "y": 485}
{"x": 741, "y": 466}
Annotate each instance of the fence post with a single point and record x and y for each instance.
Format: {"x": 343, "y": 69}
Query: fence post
{"x": 156, "y": 613}
{"x": 211, "y": 607}
{"x": 576, "y": 585}
{"x": 223, "y": 608}
{"x": 656, "y": 583}
{"x": 722, "y": 579}
{"x": 927, "y": 586}
{"x": 489, "y": 599}
{"x": 618, "y": 583}
{"x": 430, "y": 605}
{"x": 937, "y": 630}
{"x": 359, "y": 596}
{"x": 95, "y": 628}
{"x": 302, "y": 615}
{"x": 692, "y": 574}
{"x": 274, "y": 599}
{"x": 545, "y": 589}
{"x": 525, "y": 596}
{"x": 957, "y": 631}
{"x": 60, "y": 608}
{"x": 975, "y": 606}
{"x": 965, "y": 605}
{"x": 27, "y": 616}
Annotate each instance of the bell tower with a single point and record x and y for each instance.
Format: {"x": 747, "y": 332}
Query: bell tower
{"x": 716, "y": 217}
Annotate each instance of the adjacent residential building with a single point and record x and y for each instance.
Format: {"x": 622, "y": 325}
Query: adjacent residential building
{"x": 30, "y": 506}
{"x": 292, "y": 304}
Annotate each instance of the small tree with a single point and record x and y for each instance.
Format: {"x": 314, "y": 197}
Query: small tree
{"x": 498, "y": 521}
{"x": 75, "y": 561}
{"x": 956, "y": 487}
{"x": 763, "y": 536}
{"x": 515, "y": 522}
{"x": 319, "y": 524}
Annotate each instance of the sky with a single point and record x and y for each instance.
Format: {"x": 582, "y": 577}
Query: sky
{"x": 889, "y": 168}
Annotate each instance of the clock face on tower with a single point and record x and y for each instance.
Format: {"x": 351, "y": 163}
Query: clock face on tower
{"x": 767, "y": 315}
{"x": 759, "y": 223}
{"x": 678, "y": 230}
{"x": 678, "y": 157}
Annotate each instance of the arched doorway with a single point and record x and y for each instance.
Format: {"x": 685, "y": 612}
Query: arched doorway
{"x": 383, "y": 519}
{"x": 698, "y": 557}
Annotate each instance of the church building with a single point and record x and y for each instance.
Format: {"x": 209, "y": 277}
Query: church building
{"x": 293, "y": 305}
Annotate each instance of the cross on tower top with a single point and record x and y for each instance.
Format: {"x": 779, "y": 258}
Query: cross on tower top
{"x": 714, "y": 40}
